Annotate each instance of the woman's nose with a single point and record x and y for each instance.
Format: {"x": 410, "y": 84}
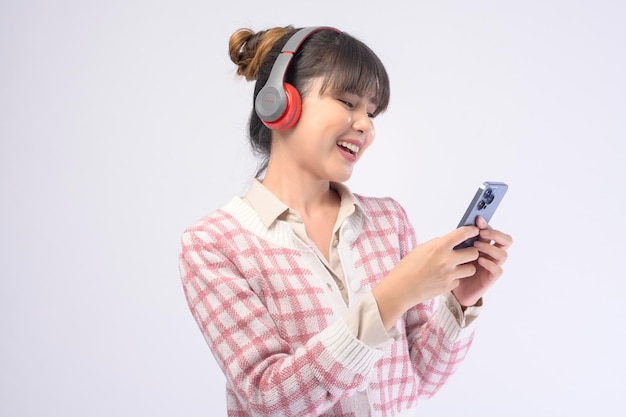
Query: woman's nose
{"x": 362, "y": 122}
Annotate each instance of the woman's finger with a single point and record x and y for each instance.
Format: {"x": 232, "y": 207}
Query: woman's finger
{"x": 492, "y": 251}
{"x": 496, "y": 237}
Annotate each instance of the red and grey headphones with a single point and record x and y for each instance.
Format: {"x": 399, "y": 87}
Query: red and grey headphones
{"x": 278, "y": 104}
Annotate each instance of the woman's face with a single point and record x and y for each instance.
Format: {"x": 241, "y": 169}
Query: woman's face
{"x": 332, "y": 133}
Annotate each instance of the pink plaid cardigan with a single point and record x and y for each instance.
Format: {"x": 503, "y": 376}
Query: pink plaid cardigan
{"x": 272, "y": 316}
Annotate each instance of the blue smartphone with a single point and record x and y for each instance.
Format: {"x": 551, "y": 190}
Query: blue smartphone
{"x": 485, "y": 202}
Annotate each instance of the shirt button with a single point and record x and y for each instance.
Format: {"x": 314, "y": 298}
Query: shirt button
{"x": 340, "y": 285}
{"x": 335, "y": 243}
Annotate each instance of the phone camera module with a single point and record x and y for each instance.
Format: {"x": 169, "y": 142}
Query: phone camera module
{"x": 482, "y": 204}
{"x": 489, "y": 196}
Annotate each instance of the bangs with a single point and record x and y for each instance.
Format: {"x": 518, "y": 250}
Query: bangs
{"x": 357, "y": 70}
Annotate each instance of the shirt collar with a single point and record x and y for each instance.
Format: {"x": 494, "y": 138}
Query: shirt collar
{"x": 270, "y": 208}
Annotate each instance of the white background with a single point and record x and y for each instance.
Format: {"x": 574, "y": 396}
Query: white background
{"x": 122, "y": 122}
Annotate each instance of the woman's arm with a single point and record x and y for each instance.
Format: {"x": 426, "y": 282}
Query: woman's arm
{"x": 268, "y": 376}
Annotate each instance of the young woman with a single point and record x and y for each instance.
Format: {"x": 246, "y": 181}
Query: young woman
{"x": 314, "y": 300}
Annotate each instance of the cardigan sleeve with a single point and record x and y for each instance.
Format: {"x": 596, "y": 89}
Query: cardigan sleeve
{"x": 438, "y": 340}
{"x": 268, "y": 376}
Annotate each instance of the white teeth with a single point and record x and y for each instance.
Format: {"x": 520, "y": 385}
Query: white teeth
{"x": 348, "y": 145}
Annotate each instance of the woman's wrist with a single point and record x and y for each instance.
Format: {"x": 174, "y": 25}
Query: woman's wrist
{"x": 391, "y": 304}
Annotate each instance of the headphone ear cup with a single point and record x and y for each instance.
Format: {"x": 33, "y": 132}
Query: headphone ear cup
{"x": 291, "y": 114}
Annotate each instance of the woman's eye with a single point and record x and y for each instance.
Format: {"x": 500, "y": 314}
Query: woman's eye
{"x": 350, "y": 105}
{"x": 347, "y": 103}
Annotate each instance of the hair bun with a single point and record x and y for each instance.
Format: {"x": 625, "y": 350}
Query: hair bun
{"x": 248, "y": 49}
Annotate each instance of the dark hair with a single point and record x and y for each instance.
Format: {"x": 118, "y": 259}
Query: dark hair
{"x": 345, "y": 63}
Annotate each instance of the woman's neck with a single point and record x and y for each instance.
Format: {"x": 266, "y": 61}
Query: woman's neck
{"x": 300, "y": 191}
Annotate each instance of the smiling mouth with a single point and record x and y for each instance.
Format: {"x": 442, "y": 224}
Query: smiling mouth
{"x": 349, "y": 147}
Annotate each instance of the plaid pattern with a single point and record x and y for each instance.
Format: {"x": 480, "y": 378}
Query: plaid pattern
{"x": 272, "y": 317}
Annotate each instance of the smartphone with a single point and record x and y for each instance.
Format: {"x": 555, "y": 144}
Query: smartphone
{"x": 485, "y": 202}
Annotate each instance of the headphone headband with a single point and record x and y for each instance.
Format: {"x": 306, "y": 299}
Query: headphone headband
{"x": 272, "y": 100}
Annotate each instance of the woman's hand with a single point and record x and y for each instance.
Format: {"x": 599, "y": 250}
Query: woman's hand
{"x": 429, "y": 270}
{"x": 492, "y": 246}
